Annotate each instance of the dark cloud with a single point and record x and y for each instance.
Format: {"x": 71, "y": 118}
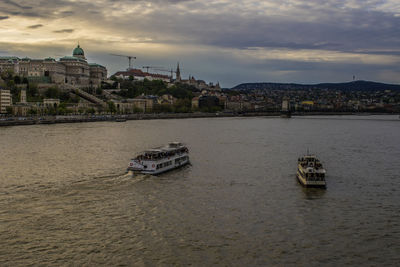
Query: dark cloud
{"x": 35, "y": 8}
{"x": 297, "y": 24}
{"x": 363, "y": 27}
{"x": 32, "y": 14}
{"x": 4, "y": 17}
{"x": 64, "y": 31}
{"x": 340, "y": 32}
{"x": 15, "y": 4}
{"x": 67, "y": 13}
{"x": 35, "y": 26}
{"x": 374, "y": 52}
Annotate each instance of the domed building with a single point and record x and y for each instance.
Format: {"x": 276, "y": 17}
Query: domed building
{"x": 78, "y": 52}
{"x": 77, "y": 68}
{"x": 69, "y": 70}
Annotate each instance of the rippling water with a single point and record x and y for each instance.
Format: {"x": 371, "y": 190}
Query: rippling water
{"x": 65, "y": 199}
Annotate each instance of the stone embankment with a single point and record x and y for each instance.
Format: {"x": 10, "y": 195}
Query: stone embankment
{"x": 143, "y": 116}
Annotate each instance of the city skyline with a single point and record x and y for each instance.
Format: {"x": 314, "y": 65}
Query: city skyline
{"x": 227, "y": 41}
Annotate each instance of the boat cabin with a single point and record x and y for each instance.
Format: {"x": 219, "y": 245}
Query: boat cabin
{"x": 165, "y": 152}
{"x": 310, "y": 162}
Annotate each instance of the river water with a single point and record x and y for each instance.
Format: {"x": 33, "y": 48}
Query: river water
{"x": 65, "y": 199}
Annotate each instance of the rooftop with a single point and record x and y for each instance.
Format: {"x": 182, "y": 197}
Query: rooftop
{"x": 96, "y": 65}
{"x": 78, "y": 51}
{"x": 69, "y": 58}
{"x": 9, "y": 57}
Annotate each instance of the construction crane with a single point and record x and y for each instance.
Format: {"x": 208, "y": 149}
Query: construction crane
{"x": 150, "y": 67}
{"x": 129, "y": 58}
{"x": 166, "y": 70}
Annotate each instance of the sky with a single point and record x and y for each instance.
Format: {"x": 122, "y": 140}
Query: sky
{"x": 226, "y": 41}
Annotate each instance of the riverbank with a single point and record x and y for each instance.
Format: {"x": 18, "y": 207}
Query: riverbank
{"x": 16, "y": 121}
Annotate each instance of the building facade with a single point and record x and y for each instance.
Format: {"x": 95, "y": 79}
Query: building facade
{"x": 199, "y": 84}
{"x": 5, "y": 100}
{"x": 134, "y": 105}
{"x": 70, "y": 70}
{"x": 51, "y": 102}
{"x": 139, "y": 75}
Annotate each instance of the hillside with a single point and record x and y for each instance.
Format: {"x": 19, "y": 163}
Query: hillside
{"x": 350, "y": 86}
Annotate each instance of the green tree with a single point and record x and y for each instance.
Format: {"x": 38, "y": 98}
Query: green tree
{"x": 32, "y": 111}
{"x": 17, "y": 79}
{"x": 137, "y": 110}
{"x": 51, "y": 111}
{"x": 32, "y": 90}
{"x": 52, "y": 92}
{"x": 160, "y": 108}
{"x": 9, "y": 110}
{"x": 183, "y": 105}
{"x": 10, "y": 84}
{"x": 111, "y": 107}
{"x": 7, "y": 75}
{"x": 61, "y": 110}
{"x": 99, "y": 91}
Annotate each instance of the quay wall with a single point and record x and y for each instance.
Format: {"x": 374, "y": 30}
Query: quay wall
{"x": 148, "y": 116}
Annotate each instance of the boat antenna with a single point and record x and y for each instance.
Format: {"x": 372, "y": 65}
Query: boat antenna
{"x": 308, "y": 152}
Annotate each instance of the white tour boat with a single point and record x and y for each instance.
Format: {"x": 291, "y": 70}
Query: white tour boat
{"x": 310, "y": 172}
{"x": 162, "y": 159}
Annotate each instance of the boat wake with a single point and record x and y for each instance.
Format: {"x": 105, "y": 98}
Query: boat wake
{"x": 132, "y": 177}
{"x": 120, "y": 178}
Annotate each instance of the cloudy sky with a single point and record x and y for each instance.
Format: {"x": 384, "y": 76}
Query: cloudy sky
{"x": 230, "y": 41}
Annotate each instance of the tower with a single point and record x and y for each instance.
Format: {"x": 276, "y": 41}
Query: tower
{"x": 23, "y": 96}
{"x": 178, "y": 73}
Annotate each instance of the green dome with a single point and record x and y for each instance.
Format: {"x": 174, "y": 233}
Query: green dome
{"x": 78, "y": 51}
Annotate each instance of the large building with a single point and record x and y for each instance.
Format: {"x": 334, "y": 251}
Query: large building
{"x": 139, "y": 75}
{"x": 5, "y": 100}
{"x": 69, "y": 70}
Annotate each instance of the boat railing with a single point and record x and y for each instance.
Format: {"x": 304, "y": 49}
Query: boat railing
{"x": 162, "y": 156}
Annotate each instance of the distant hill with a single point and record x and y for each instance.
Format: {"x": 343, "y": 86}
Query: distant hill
{"x": 351, "y": 86}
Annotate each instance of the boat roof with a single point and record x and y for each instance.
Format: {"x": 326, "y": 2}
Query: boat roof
{"x": 153, "y": 150}
{"x": 171, "y": 147}
{"x": 175, "y": 143}
{"x": 310, "y": 157}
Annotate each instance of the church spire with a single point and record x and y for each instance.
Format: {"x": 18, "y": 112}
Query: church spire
{"x": 178, "y": 73}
